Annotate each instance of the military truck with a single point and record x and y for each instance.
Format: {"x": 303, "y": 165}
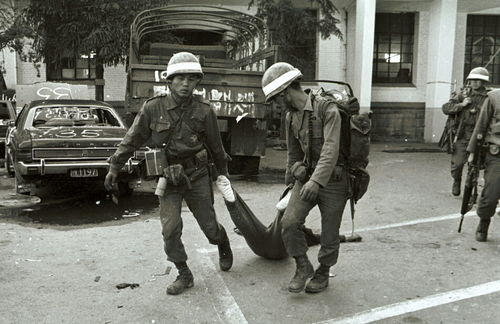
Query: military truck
{"x": 233, "y": 49}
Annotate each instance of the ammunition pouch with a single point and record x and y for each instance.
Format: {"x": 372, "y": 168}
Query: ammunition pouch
{"x": 142, "y": 171}
{"x": 176, "y": 176}
{"x": 300, "y": 172}
{"x": 359, "y": 179}
{"x": 196, "y": 166}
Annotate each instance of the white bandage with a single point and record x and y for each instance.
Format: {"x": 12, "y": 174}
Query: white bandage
{"x": 224, "y": 186}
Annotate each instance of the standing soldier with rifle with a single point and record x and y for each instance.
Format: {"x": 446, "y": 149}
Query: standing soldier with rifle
{"x": 488, "y": 129}
{"x": 463, "y": 108}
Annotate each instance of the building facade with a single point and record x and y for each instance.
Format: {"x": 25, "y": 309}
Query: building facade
{"x": 402, "y": 58}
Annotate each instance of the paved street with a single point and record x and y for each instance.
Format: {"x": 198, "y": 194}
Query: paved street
{"x": 61, "y": 259}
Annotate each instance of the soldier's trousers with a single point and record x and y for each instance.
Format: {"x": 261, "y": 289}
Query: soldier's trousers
{"x": 200, "y": 202}
{"x": 458, "y": 158}
{"x": 488, "y": 200}
{"x": 331, "y": 202}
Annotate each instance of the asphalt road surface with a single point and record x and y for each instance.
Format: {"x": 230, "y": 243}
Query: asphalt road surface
{"x": 61, "y": 258}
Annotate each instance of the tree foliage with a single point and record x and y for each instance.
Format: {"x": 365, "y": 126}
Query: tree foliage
{"x": 68, "y": 28}
{"x": 292, "y": 28}
{"x": 13, "y": 28}
{"x": 84, "y": 26}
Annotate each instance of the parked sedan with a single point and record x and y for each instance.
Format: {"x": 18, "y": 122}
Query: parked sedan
{"x": 67, "y": 140}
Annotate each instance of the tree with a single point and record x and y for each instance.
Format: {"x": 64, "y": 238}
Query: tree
{"x": 288, "y": 25}
{"x": 13, "y": 31}
{"x": 63, "y": 28}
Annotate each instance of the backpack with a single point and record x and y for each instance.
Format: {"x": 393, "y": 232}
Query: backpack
{"x": 355, "y": 138}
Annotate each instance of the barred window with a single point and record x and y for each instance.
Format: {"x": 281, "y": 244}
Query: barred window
{"x": 393, "y": 48}
{"x": 81, "y": 67}
{"x": 482, "y": 45}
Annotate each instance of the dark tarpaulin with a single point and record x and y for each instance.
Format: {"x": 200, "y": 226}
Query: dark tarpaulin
{"x": 265, "y": 241}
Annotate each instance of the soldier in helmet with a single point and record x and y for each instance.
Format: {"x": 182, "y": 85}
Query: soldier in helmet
{"x": 487, "y": 130}
{"x": 316, "y": 163}
{"x": 464, "y": 107}
{"x": 183, "y": 125}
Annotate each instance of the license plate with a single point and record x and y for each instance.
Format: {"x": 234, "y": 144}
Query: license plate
{"x": 83, "y": 173}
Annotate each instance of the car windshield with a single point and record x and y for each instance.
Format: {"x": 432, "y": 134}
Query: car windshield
{"x": 4, "y": 111}
{"x": 74, "y": 116}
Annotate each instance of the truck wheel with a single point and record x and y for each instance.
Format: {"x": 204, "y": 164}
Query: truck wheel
{"x": 251, "y": 165}
{"x": 124, "y": 189}
{"x": 245, "y": 165}
{"x": 9, "y": 167}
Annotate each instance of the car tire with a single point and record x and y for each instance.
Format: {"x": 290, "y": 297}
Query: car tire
{"x": 22, "y": 192}
{"x": 124, "y": 189}
{"x": 9, "y": 167}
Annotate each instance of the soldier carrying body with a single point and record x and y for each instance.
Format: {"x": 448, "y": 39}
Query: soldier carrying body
{"x": 316, "y": 163}
{"x": 184, "y": 127}
{"x": 463, "y": 109}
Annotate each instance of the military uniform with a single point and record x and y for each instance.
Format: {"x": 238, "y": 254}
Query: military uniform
{"x": 488, "y": 126}
{"x": 194, "y": 124}
{"x": 465, "y": 120}
{"x": 327, "y": 161}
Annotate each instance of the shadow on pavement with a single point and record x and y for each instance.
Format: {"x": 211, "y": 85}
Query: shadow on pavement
{"x": 78, "y": 205}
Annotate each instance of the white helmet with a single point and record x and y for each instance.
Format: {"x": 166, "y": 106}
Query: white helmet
{"x": 278, "y": 77}
{"x": 183, "y": 63}
{"x": 479, "y": 73}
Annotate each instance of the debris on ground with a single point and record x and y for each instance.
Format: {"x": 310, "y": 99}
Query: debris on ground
{"x": 167, "y": 271}
{"x": 124, "y": 285}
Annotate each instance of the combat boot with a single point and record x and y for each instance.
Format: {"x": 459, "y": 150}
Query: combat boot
{"x": 319, "y": 281}
{"x": 304, "y": 271}
{"x": 183, "y": 281}
{"x": 455, "y": 188}
{"x": 482, "y": 230}
{"x": 225, "y": 255}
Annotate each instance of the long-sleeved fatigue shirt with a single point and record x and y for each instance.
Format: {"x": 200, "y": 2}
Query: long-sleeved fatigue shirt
{"x": 466, "y": 119}
{"x": 326, "y": 125}
{"x": 488, "y": 123}
{"x": 186, "y": 126}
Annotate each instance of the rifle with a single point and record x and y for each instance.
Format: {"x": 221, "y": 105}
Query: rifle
{"x": 447, "y": 138}
{"x": 470, "y": 190}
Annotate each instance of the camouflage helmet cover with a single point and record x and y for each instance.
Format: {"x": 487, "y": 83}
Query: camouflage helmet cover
{"x": 278, "y": 77}
{"x": 479, "y": 73}
{"x": 183, "y": 63}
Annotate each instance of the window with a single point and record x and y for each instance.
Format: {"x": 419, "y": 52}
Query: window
{"x": 81, "y": 67}
{"x": 482, "y": 45}
{"x": 393, "y": 48}
{"x": 73, "y": 116}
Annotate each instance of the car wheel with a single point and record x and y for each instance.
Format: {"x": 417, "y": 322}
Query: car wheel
{"x": 9, "y": 167}
{"x": 124, "y": 189}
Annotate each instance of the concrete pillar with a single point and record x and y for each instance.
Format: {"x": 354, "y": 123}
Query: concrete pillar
{"x": 8, "y": 60}
{"x": 363, "y": 58}
{"x": 441, "y": 42}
